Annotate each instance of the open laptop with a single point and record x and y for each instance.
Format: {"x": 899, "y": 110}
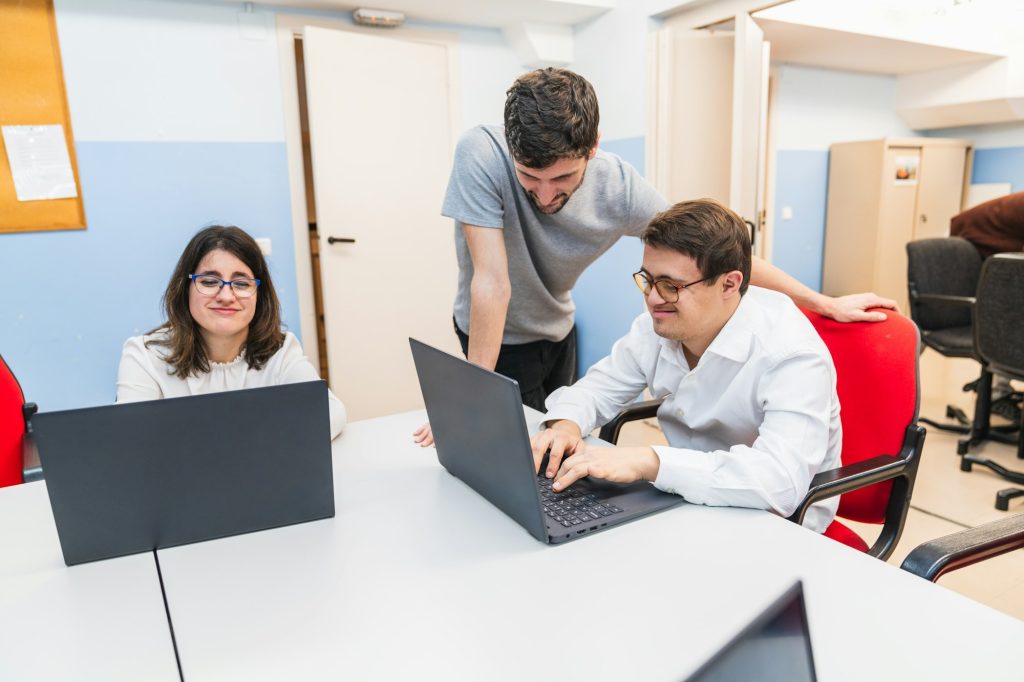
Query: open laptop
{"x": 775, "y": 647}
{"x": 134, "y": 477}
{"x": 481, "y": 437}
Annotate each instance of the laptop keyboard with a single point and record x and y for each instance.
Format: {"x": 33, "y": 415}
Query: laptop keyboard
{"x": 573, "y": 507}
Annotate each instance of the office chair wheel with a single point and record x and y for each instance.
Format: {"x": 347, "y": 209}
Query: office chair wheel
{"x": 962, "y": 446}
{"x": 1004, "y": 496}
{"x": 965, "y": 464}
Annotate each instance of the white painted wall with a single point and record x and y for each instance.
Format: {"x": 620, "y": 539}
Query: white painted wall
{"x": 816, "y": 107}
{"x": 152, "y": 70}
{"x": 611, "y": 52}
{"x": 487, "y": 67}
{"x": 987, "y": 137}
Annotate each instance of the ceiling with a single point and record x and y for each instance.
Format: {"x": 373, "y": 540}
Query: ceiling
{"x": 490, "y": 13}
{"x": 882, "y": 36}
{"x": 848, "y": 51}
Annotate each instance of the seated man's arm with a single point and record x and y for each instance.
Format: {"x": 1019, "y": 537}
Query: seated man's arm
{"x": 791, "y": 446}
{"x": 608, "y": 387}
{"x": 851, "y": 308}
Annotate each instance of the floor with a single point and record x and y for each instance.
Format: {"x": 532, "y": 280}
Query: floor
{"x": 945, "y": 499}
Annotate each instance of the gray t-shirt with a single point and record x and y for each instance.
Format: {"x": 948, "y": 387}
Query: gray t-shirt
{"x": 546, "y": 253}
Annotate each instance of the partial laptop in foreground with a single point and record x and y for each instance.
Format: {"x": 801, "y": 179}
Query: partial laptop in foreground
{"x": 140, "y": 476}
{"x": 481, "y": 437}
{"x": 775, "y": 647}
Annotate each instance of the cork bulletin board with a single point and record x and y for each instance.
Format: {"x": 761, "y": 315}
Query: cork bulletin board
{"x": 32, "y": 94}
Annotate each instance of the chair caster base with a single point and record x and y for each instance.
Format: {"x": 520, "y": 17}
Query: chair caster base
{"x": 965, "y": 464}
{"x": 1004, "y": 496}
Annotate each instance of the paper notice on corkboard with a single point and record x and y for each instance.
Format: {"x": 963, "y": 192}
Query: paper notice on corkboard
{"x": 40, "y": 164}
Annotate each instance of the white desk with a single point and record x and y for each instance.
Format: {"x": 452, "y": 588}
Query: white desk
{"x": 419, "y": 578}
{"x": 98, "y": 621}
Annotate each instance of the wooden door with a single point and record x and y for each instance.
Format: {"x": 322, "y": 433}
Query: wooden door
{"x": 380, "y": 119}
{"x": 896, "y": 221}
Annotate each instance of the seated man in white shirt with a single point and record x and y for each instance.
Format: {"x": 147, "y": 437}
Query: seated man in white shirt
{"x": 750, "y": 407}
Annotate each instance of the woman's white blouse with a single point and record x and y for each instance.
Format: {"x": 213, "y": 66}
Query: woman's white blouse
{"x": 143, "y": 375}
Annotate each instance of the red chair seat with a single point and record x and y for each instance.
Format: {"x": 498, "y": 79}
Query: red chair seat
{"x": 841, "y": 533}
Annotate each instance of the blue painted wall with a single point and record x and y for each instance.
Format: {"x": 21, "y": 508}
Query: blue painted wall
{"x": 71, "y": 299}
{"x": 999, "y": 164}
{"x": 606, "y": 298}
{"x": 801, "y": 183}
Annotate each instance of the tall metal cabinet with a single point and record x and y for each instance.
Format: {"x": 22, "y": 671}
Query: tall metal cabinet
{"x": 881, "y": 195}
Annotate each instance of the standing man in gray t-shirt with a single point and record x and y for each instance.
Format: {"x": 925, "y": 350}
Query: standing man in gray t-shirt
{"x": 534, "y": 205}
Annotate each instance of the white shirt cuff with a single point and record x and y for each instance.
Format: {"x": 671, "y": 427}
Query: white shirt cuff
{"x": 684, "y": 472}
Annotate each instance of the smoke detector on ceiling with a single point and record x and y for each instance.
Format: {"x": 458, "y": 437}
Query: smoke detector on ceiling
{"x": 378, "y": 17}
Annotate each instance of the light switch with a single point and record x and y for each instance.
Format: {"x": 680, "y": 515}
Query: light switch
{"x": 264, "y": 244}
{"x": 787, "y": 212}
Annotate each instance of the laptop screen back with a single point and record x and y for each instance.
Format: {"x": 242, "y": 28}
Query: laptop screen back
{"x": 134, "y": 477}
{"x": 775, "y": 647}
{"x": 480, "y": 432}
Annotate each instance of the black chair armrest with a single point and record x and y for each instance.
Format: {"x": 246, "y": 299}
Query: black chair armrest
{"x": 834, "y": 482}
{"x": 901, "y": 469}
{"x": 951, "y": 552}
{"x": 31, "y": 469}
{"x": 943, "y": 298}
{"x": 641, "y": 410}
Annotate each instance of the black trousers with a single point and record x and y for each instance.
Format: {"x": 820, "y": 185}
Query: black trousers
{"x": 540, "y": 367}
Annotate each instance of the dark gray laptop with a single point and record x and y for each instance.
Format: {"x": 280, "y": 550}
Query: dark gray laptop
{"x": 775, "y": 647}
{"x": 140, "y": 476}
{"x": 481, "y": 437}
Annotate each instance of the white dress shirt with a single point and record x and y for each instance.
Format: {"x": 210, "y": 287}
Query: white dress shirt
{"x": 143, "y": 375}
{"x": 749, "y": 426}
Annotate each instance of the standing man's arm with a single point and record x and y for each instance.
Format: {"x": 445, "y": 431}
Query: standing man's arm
{"x": 489, "y": 293}
{"x": 851, "y": 308}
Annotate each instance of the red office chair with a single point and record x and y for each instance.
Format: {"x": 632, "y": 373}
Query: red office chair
{"x": 14, "y": 416}
{"x": 876, "y": 369}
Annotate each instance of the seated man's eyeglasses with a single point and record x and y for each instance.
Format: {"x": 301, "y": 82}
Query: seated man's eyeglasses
{"x": 209, "y": 285}
{"x": 667, "y": 289}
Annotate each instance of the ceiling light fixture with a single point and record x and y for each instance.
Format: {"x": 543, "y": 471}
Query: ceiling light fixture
{"x": 381, "y": 18}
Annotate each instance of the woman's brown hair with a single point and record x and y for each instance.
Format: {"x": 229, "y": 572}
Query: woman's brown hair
{"x": 187, "y": 353}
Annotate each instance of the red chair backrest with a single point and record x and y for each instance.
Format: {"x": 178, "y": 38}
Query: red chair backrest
{"x": 876, "y": 374}
{"x": 12, "y": 427}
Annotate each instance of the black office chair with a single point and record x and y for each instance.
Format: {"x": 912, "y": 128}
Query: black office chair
{"x": 999, "y": 344}
{"x": 935, "y": 558}
{"x": 942, "y": 276}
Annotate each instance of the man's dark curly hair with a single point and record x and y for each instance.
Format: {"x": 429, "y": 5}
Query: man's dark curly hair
{"x": 550, "y": 114}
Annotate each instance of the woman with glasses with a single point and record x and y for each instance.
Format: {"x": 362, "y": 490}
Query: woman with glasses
{"x": 223, "y": 329}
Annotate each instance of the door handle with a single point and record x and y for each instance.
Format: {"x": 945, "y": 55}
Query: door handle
{"x": 343, "y": 240}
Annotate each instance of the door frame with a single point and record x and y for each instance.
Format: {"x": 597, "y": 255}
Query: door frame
{"x": 289, "y": 28}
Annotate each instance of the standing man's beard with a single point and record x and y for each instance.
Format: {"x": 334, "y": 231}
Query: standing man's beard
{"x": 559, "y": 201}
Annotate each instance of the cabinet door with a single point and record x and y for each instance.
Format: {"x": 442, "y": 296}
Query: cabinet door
{"x": 900, "y": 183}
{"x": 940, "y": 192}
